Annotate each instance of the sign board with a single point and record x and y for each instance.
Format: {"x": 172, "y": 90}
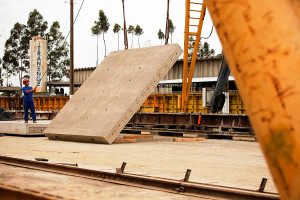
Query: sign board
{"x": 38, "y": 63}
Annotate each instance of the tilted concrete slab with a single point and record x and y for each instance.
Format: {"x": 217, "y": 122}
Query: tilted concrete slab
{"x": 111, "y": 95}
{"x": 21, "y": 128}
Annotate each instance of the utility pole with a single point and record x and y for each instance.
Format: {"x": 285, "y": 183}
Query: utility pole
{"x": 71, "y": 49}
{"x": 124, "y": 28}
{"x": 167, "y": 25}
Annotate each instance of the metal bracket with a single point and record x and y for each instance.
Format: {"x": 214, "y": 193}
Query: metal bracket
{"x": 121, "y": 170}
{"x": 187, "y": 175}
{"x": 262, "y": 185}
{"x": 186, "y": 179}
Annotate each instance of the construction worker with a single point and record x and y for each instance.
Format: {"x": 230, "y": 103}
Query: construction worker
{"x": 28, "y": 101}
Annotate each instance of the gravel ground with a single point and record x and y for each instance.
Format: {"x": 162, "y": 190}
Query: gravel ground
{"x": 222, "y": 162}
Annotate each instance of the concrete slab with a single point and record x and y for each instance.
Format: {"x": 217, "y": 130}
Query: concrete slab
{"x": 107, "y": 100}
{"x": 20, "y": 128}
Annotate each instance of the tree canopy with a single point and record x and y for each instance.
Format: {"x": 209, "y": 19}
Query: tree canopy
{"x": 204, "y": 50}
{"x": 16, "y": 53}
{"x": 58, "y": 54}
{"x": 117, "y": 28}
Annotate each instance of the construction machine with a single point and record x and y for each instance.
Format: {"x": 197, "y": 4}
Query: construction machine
{"x": 261, "y": 46}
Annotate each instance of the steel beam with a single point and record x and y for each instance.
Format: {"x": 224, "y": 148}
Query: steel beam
{"x": 261, "y": 42}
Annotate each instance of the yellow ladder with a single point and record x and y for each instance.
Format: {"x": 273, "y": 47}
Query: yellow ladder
{"x": 196, "y": 16}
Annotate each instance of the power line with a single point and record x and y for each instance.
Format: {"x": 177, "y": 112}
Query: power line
{"x": 212, "y": 27}
{"x": 75, "y": 19}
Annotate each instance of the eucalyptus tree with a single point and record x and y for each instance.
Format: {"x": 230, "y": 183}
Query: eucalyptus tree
{"x": 104, "y": 26}
{"x": 101, "y": 26}
{"x": 160, "y": 35}
{"x": 138, "y": 31}
{"x": 130, "y": 30}
{"x": 171, "y": 28}
{"x": 117, "y": 29}
{"x": 96, "y": 31}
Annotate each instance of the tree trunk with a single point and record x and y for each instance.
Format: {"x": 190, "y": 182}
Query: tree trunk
{"x": 49, "y": 71}
{"x": 171, "y": 37}
{"x": 21, "y": 74}
{"x": 131, "y": 40}
{"x": 118, "y": 41}
{"x": 139, "y": 41}
{"x": 97, "y": 53}
{"x": 6, "y": 76}
{"x": 104, "y": 46}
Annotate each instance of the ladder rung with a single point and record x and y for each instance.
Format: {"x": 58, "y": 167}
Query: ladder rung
{"x": 190, "y": 47}
{"x": 196, "y": 3}
{"x": 194, "y": 18}
{"x": 193, "y": 25}
{"x": 192, "y": 40}
{"x": 196, "y": 10}
{"x": 193, "y": 33}
{"x": 190, "y": 54}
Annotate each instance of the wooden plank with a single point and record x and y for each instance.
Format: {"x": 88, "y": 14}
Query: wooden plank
{"x": 137, "y": 136}
{"x": 117, "y": 141}
{"x": 244, "y": 138}
{"x": 188, "y": 139}
{"x": 111, "y": 95}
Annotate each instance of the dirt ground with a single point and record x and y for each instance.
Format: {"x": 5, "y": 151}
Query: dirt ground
{"x": 223, "y": 162}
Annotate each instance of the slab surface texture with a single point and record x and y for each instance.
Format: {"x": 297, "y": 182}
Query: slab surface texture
{"x": 20, "y": 128}
{"x": 111, "y": 95}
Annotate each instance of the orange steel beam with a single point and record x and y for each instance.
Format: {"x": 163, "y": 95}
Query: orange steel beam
{"x": 261, "y": 42}
{"x": 194, "y": 57}
{"x": 185, "y": 55}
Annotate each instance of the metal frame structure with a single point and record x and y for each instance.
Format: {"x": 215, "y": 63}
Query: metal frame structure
{"x": 188, "y": 66}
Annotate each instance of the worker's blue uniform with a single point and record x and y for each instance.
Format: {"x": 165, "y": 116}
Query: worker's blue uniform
{"x": 28, "y": 103}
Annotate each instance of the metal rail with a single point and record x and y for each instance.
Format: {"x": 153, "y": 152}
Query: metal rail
{"x": 150, "y": 182}
{"x": 9, "y": 192}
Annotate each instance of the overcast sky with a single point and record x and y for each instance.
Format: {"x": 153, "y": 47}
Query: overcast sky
{"x": 149, "y": 14}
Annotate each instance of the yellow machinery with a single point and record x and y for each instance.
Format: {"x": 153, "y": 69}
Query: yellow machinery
{"x": 43, "y": 103}
{"x": 171, "y": 103}
{"x": 261, "y": 42}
